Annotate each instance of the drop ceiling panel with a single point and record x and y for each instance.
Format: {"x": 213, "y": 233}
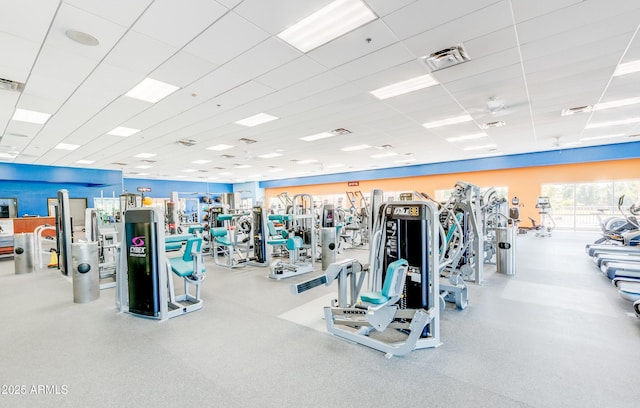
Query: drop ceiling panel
{"x": 127, "y": 55}
{"x": 421, "y": 16}
{"x": 229, "y": 37}
{"x": 571, "y": 18}
{"x": 526, "y": 9}
{"x": 262, "y": 58}
{"x": 13, "y": 140}
{"x": 122, "y": 12}
{"x": 474, "y": 70}
{"x": 173, "y": 23}
{"x": 354, "y": 44}
{"x": 28, "y": 20}
{"x": 384, "y": 7}
{"x": 182, "y": 69}
{"x": 23, "y": 54}
{"x": 378, "y": 61}
{"x": 290, "y": 73}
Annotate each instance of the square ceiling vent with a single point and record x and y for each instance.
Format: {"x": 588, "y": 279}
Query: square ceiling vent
{"x": 446, "y": 58}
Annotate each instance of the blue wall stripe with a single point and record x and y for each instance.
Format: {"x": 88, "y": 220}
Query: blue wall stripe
{"x": 59, "y": 175}
{"x": 163, "y": 188}
{"x": 617, "y": 151}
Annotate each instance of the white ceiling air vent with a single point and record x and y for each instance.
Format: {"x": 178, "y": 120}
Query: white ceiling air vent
{"x": 247, "y": 141}
{"x": 9, "y": 85}
{"x": 577, "y": 109}
{"x": 227, "y": 156}
{"x": 340, "y": 131}
{"x": 494, "y": 124}
{"x": 187, "y": 142}
{"x": 446, "y": 58}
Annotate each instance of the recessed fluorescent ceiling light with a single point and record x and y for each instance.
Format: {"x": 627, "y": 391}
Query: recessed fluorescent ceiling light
{"x": 465, "y": 137}
{"x": 616, "y": 104}
{"x": 123, "y": 131}
{"x": 333, "y": 166}
{"x": 66, "y": 146}
{"x": 627, "y": 68}
{"x": 612, "y": 123}
{"x": 383, "y": 155}
{"x": 242, "y": 166}
{"x": 219, "y": 147}
{"x": 317, "y": 136}
{"x": 489, "y": 154}
{"x": 404, "y": 87}
{"x": 275, "y": 170}
{"x": 145, "y": 155}
{"x": 181, "y": 176}
{"x": 326, "y": 24}
{"x": 487, "y": 146}
{"x": 404, "y": 161}
{"x": 150, "y": 90}
{"x": 226, "y": 173}
{"x": 269, "y": 155}
{"x": 307, "y": 161}
{"x": 85, "y": 161}
{"x": 584, "y": 139}
{"x": 143, "y": 166}
{"x": 8, "y": 156}
{"x": 448, "y": 121}
{"x": 189, "y": 170}
{"x": 354, "y": 148}
{"x": 24, "y": 115}
{"x": 256, "y": 120}
{"x": 201, "y": 161}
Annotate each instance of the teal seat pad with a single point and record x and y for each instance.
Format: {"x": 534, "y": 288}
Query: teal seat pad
{"x": 375, "y": 298}
{"x": 182, "y": 268}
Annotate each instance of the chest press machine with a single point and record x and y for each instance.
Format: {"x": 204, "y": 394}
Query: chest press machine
{"x": 145, "y": 284}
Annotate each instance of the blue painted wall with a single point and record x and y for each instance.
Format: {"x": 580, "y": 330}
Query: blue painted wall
{"x": 32, "y": 185}
{"x": 617, "y": 151}
{"x": 163, "y": 188}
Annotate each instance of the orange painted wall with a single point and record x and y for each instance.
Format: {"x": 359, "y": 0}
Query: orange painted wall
{"x": 525, "y": 183}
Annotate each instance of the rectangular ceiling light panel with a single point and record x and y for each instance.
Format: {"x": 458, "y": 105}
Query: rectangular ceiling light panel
{"x": 404, "y": 87}
{"x": 83, "y": 161}
{"x": 269, "y": 155}
{"x": 219, "y": 147}
{"x": 123, "y": 131}
{"x": 627, "y": 68}
{"x": 145, "y": 155}
{"x": 355, "y": 147}
{"x": 24, "y": 115}
{"x": 317, "y": 136}
{"x": 616, "y": 104}
{"x": 256, "y": 120}
{"x": 612, "y": 123}
{"x": 465, "y": 137}
{"x": 448, "y": 121}
{"x": 328, "y": 23}
{"x": 150, "y": 90}
{"x": 66, "y": 146}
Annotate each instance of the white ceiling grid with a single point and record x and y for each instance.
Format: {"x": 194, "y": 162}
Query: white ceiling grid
{"x": 534, "y": 57}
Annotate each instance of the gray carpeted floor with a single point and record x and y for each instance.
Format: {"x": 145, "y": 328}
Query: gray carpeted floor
{"x": 555, "y": 335}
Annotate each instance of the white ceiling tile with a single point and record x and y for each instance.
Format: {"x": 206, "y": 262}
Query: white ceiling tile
{"x": 227, "y": 38}
{"x": 122, "y": 12}
{"x": 384, "y": 7}
{"x": 378, "y": 61}
{"x": 354, "y": 45}
{"x": 290, "y": 73}
{"x": 127, "y": 55}
{"x": 425, "y": 15}
{"x": 175, "y": 23}
{"x": 262, "y": 58}
{"x": 23, "y": 54}
{"x": 27, "y": 19}
{"x": 525, "y": 9}
{"x": 182, "y": 69}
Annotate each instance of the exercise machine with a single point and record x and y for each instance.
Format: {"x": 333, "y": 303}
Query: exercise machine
{"x": 461, "y": 219}
{"x": 401, "y": 311}
{"x": 547, "y": 223}
{"x": 231, "y": 241}
{"x": 107, "y": 237}
{"x": 301, "y": 242}
{"x": 145, "y": 285}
